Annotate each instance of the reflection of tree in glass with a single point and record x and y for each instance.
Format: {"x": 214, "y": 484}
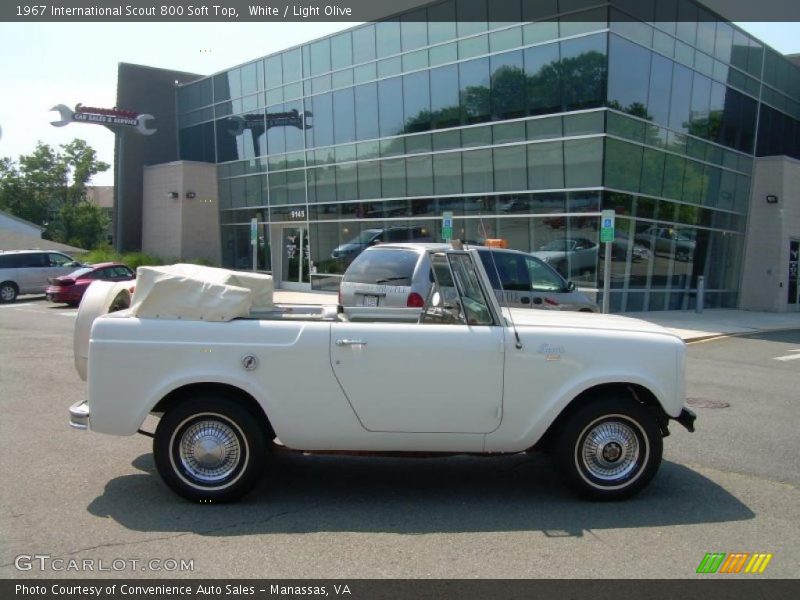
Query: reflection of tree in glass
{"x": 583, "y": 79}
{"x": 508, "y": 93}
{"x": 567, "y": 84}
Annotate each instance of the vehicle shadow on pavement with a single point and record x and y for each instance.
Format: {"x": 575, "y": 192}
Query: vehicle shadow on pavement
{"x": 305, "y": 494}
{"x": 27, "y": 300}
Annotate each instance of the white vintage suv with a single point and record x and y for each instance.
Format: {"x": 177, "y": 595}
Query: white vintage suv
{"x": 232, "y": 376}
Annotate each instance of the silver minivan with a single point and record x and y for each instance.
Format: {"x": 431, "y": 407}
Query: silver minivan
{"x": 399, "y": 275}
{"x": 27, "y": 271}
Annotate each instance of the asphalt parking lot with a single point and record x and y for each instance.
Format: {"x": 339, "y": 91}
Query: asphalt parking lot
{"x": 730, "y": 487}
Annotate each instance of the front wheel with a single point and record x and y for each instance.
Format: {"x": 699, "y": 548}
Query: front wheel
{"x": 209, "y": 450}
{"x": 8, "y": 292}
{"x": 609, "y": 449}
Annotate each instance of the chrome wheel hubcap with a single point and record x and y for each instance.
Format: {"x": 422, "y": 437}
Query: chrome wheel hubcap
{"x": 209, "y": 451}
{"x": 7, "y": 293}
{"x": 610, "y": 451}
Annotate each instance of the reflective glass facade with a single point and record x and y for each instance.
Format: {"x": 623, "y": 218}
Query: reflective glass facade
{"x": 524, "y": 126}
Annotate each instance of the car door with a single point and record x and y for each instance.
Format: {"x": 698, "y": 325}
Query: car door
{"x": 119, "y": 274}
{"x": 27, "y": 265}
{"x": 545, "y": 282}
{"x": 432, "y": 376}
{"x": 58, "y": 265}
{"x": 513, "y": 288}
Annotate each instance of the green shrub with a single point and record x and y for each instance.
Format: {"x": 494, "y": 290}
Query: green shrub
{"x": 100, "y": 254}
{"x": 134, "y": 259}
{"x": 140, "y": 259}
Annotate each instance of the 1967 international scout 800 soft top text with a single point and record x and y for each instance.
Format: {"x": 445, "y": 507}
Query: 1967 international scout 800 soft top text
{"x": 228, "y": 373}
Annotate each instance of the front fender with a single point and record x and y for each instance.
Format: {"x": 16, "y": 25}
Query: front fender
{"x": 518, "y": 433}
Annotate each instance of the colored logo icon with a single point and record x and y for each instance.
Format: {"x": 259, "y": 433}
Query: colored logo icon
{"x": 734, "y": 563}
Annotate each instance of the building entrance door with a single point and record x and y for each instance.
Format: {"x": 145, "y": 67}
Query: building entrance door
{"x": 295, "y": 259}
{"x": 793, "y": 299}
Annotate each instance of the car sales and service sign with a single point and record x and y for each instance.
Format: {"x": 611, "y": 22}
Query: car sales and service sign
{"x": 112, "y": 118}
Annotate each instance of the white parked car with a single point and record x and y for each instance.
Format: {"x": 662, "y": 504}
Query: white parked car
{"x": 28, "y": 271}
{"x": 576, "y": 255}
{"x": 230, "y": 375}
{"x": 400, "y": 275}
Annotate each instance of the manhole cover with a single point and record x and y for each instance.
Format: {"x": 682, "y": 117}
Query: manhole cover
{"x": 706, "y": 403}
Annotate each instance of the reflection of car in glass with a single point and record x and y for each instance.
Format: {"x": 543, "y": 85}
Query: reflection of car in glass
{"x": 397, "y": 275}
{"x": 622, "y": 242}
{"x": 370, "y": 237}
{"x": 575, "y": 254}
{"x": 660, "y": 240}
{"x": 460, "y": 375}
{"x": 27, "y": 271}
{"x": 69, "y": 289}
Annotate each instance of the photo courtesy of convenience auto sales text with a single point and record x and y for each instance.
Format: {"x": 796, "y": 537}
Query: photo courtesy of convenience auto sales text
{"x": 192, "y": 591}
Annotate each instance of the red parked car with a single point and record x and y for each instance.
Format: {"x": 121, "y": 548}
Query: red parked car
{"x": 69, "y": 289}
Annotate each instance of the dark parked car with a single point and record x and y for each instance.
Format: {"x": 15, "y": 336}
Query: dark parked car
{"x": 371, "y": 237}
{"x": 69, "y": 289}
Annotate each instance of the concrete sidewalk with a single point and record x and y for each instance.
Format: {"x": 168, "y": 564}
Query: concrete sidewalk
{"x": 691, "y": 326}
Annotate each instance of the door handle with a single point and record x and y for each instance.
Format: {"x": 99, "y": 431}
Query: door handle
{"x": 350, "y": 343}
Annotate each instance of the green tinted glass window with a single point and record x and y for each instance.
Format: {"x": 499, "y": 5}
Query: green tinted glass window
{"x": 510, "y": 168}
{"x": 583, "y": 163}
{"x": 478, "y": 173}
{"x": 419, "y": 175}
{"x": 546, "y": 166}
{"x": 623, "y": 165}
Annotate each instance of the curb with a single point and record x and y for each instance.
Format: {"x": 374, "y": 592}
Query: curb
{"x": 717, "y": 336}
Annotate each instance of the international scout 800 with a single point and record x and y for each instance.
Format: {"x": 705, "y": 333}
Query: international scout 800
{"x": 232, "y": 376}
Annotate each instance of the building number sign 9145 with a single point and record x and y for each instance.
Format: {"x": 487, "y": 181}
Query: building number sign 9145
{"x": 297, "y": 214}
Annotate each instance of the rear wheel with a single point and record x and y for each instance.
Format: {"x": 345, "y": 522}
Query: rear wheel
{"x": 209, "y": 449}
{"x": 8, "y": 291}
{"x": 609, "y": 449}
{"x": 121, "y": 301}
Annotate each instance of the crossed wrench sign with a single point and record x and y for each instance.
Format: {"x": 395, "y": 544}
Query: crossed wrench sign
{"x": 67, "y": 117}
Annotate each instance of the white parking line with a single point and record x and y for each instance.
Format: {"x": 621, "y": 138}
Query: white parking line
{"x": 69, "y": 314}
{"x": 788, "y": 357}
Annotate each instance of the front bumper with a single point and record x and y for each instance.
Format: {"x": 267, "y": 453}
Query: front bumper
{"x": 79, "y": 415}
{"x": 687, "y": 418}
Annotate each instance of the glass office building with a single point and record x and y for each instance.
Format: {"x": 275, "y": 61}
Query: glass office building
{"x": 522, "y": 119}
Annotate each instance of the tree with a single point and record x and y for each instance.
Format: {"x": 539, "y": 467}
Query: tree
{"x": 48, "y": 188}
{"x": 81, "y": 224}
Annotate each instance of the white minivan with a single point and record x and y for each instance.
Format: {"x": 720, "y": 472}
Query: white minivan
{"x": 27, "y": 271}
{"x": 399, "y": 275}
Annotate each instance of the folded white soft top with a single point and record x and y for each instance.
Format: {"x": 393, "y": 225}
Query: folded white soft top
{"x": 184, "y": 291}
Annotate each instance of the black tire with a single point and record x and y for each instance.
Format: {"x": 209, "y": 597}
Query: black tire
{"x": 8, "y": 291}
{"x": 121, "y": 302}
{"x": 609, "y": 449}
{"x": 230, "y": 430}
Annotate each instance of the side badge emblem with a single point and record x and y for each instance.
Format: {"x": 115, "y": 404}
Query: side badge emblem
{"x": 551, "y": 352}
{"x": 250, "y": 363}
